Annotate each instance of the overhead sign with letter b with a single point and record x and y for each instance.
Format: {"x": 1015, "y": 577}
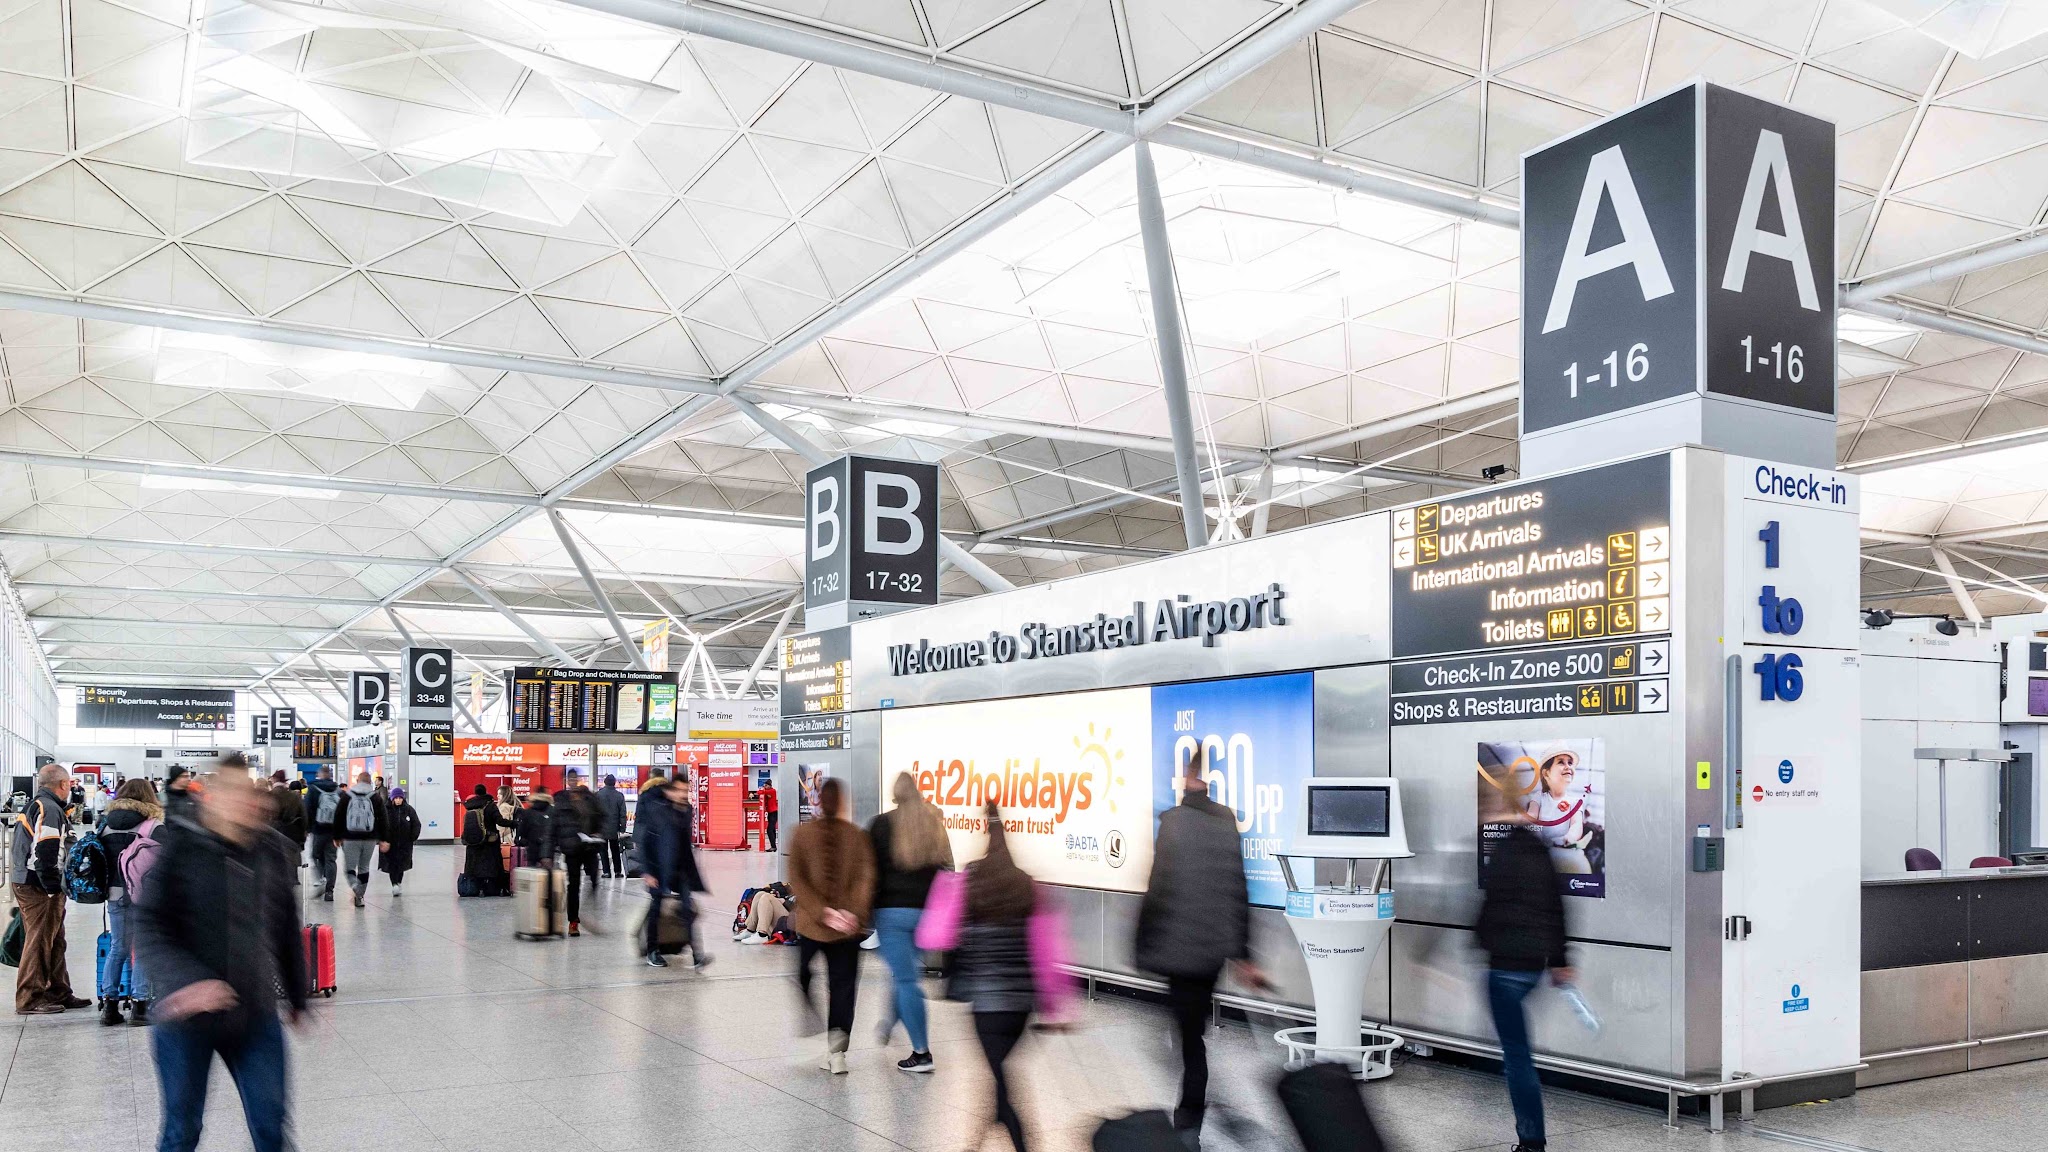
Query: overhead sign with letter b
{"x": 1678, "y": 283}
{"x": 871, "y": 533}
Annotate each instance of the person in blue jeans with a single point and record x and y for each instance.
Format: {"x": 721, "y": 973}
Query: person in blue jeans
{"x": 134, "y": 812}
{"x": 911, "y": 847}
{"x": 1522, "y": 930}
{"x": 218, "y": 932}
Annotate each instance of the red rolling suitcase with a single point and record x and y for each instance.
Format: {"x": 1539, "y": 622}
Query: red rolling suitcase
{"x": 320, "y": 959}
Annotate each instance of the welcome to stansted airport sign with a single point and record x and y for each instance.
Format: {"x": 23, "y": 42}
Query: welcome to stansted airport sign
{"x": 1162, "y": 621}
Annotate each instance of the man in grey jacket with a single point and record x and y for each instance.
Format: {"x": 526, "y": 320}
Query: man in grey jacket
{"x": 1195, "y": 919}
{"x": 613, "y": 803}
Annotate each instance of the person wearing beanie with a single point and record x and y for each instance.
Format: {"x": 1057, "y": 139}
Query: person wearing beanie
{"x": 401, "y": 831}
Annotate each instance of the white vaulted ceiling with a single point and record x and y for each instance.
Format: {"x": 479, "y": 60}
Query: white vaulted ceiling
{"x": 310, "y": 310}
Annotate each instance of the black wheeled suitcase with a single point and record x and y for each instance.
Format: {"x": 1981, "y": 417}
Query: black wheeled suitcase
{"x": 1148, "y": 1131}
{"x": 1328, "y": 1113}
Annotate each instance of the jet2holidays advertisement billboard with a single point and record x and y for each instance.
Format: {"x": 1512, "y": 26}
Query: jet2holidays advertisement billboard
{"x": 1081, "y": 778}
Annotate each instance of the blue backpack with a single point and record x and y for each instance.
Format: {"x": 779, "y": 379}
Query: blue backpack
{"x": 85, "y": 870}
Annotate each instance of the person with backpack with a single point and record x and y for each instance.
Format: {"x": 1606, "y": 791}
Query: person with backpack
{"x": 360, "y": 824}
{"x": 832, "y": 869}
{"x": 578, "y": 836}
{"x": 132, "y": 815}
{"x": 613, "y": 803}
{"x": 218, "y": 931}
{"x": 323, "y": 800}
{"x": 402, "y": 830}
{"x": 42, "y": 984}
{"x": 911, "y": 847}
{"x": 1194, "y": 920}
{"x": 482, "y": 833}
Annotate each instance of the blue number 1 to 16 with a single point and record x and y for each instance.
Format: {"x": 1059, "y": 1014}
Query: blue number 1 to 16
{"x": 1637, "y": 365}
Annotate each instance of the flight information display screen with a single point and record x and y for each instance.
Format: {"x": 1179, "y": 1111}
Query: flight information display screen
{"x": 591, "y": 701}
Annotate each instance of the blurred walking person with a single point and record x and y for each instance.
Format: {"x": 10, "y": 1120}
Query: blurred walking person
{"x": 132, "y": 813}
{"x": 361, "y": 825}
{"x": 910, "y": 846}
{"x": 42, "y": 984}
{"x": 993, "y": 969}
{"x": 832, "y": 870}
{"x": 288, "y": 814}
{"x": 1522, "y": 931}
{"x": 218, "y": 933}
{"x": 668, "y": 865}
{"x": 1195, "y": 920}
{"x": 612, "y": 803}
{"x": 401, "y": 831}
{"x": 323, "y": 800}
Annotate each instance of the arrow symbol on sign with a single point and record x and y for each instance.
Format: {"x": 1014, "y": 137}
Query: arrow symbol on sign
{"x": 1654, "y": 580}
{"x": 1653, "y": 616}
{"x": 1654, "y": 657}
{"x": 1651, "y": 695}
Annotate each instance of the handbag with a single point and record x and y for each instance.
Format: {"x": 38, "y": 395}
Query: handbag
{"x": 938, "y": 930}
{"x": 13, "y": 940}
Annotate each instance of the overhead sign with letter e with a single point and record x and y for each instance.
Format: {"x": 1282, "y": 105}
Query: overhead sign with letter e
{"x": 1678, "y": 284}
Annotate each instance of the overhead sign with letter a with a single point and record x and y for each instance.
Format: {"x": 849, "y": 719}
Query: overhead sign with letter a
{"x": 871, "y": 535}
{"x": 1609, "y": 274}
{"x": 1678, "y": 284}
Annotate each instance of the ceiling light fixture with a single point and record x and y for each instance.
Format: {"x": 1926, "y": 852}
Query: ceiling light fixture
{"x": 512, "y": 106}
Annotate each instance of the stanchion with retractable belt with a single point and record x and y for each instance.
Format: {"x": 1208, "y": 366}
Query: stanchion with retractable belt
{"x": 1341, "y": 927}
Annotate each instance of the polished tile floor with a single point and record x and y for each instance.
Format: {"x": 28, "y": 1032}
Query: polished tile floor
{"x": 448, "y": 1035}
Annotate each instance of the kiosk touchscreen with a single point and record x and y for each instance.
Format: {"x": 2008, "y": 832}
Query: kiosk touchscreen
{"x": 1341, "y": 927}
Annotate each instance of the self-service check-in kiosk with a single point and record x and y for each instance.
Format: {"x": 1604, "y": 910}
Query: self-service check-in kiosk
{"x": 1342, "y": 926}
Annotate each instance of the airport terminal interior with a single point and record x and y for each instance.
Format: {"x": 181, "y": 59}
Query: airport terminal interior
{"x": 1322, "y": 489}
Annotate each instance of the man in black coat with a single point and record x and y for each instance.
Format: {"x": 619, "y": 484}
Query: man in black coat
{"x": 219, "y": 937}
{"x": 668, "y": 864}
{"x": 1521, "y": 928}
{"x": 1195, "y": 919}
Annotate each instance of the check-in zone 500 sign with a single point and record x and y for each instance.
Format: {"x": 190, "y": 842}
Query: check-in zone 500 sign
{"x": 1081, "y": 777}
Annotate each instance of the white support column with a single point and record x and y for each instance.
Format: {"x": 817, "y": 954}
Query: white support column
{"x": 534, "y": 634}
{"x": 1166, "y": 337}
{"x": 768, "y": 649}
{"x": 1956, "y": 586}
{"x": 604, "y": 602}
{"x": 1262, "y": 500}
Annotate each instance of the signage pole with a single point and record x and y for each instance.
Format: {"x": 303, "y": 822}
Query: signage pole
{"x": 1166, "y": 333}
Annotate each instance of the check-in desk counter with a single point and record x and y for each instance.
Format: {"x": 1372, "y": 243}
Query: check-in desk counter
{"x": 1955, "y": 971}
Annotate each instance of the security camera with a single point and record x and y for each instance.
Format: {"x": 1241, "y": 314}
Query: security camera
{"x": 1877, "y": 618}
{"x": 1946, "y": 626}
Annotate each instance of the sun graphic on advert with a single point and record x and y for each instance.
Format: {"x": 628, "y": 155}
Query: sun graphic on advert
{"x": 1098, "y": 748}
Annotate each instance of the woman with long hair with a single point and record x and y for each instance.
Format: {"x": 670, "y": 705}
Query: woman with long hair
{"x": 132, "y": 813}
{"x": 832, "y": 869}
{"x": 993, "y": 967}
{"x": 910, "y": 848}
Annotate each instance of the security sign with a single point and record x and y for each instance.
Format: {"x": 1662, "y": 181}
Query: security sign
{"x": 871, "y": 532}
{"x": 429, "y": 678}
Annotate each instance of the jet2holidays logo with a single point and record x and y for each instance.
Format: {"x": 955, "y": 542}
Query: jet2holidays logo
{"x": 1257, "y": 738}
